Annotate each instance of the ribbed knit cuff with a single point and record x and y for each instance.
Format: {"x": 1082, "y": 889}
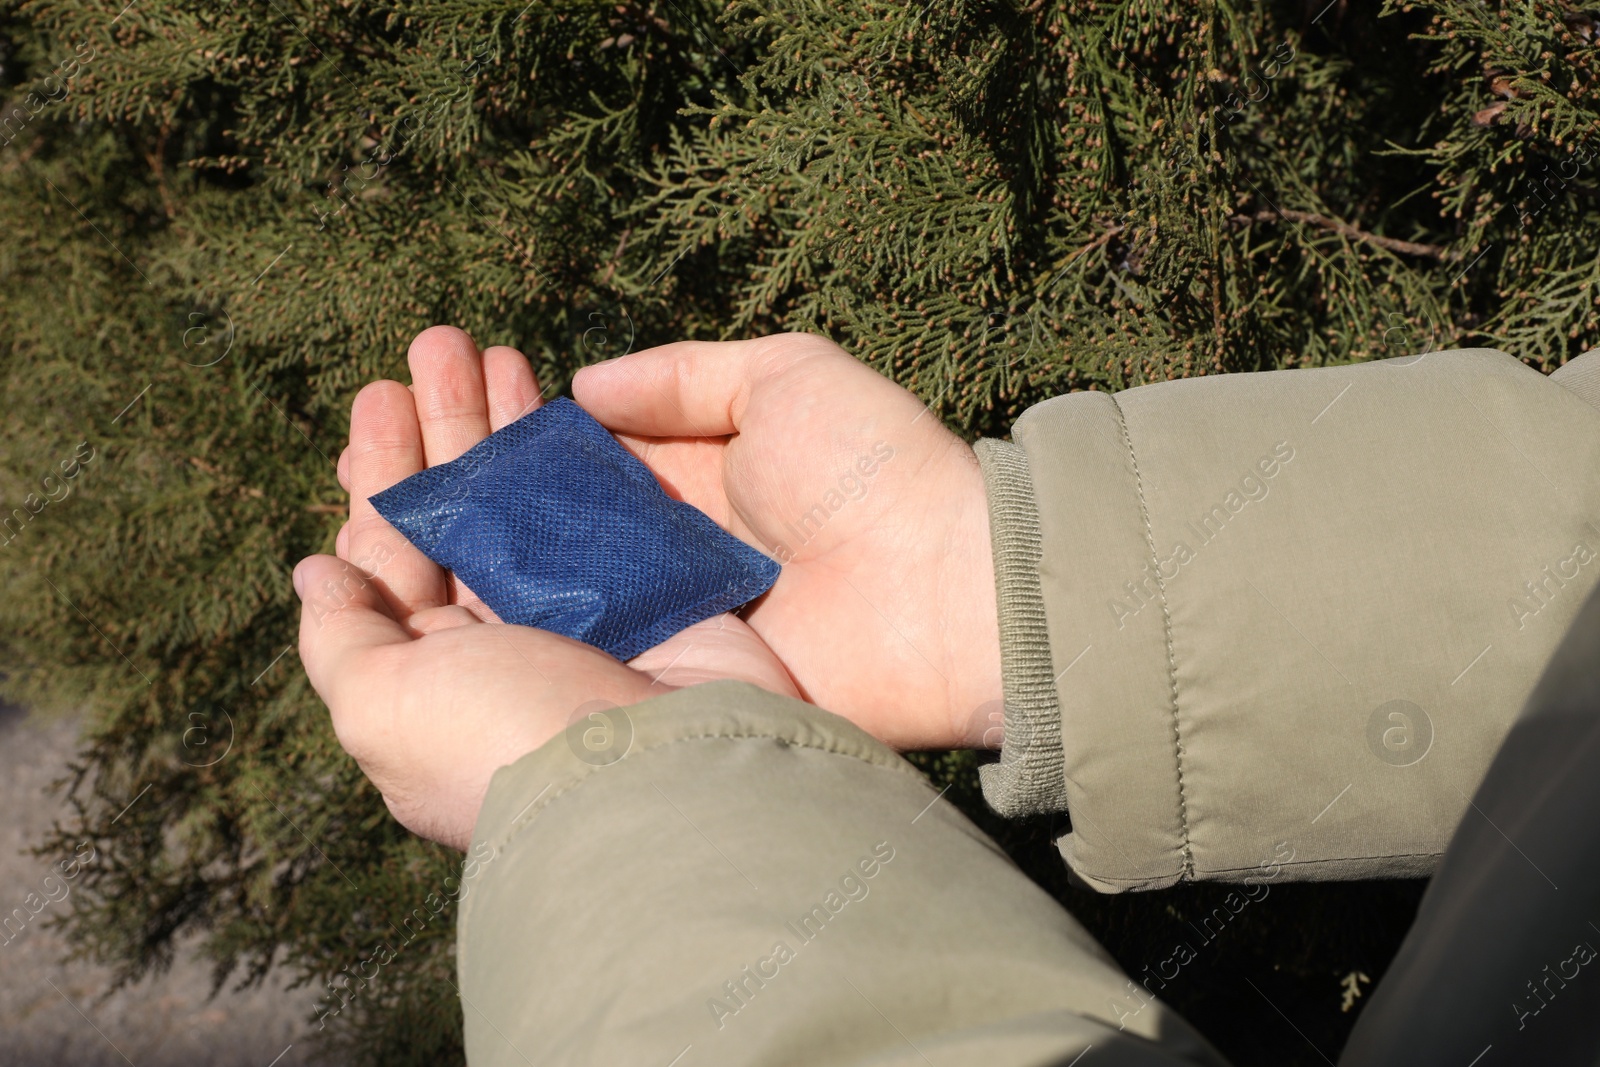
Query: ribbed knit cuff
{"x": 1029, "y": 777}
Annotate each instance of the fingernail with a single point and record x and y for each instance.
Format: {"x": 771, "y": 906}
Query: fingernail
{"x": 299, "y": 582}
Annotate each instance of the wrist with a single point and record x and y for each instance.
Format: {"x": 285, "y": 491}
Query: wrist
{"x": 974, "y": 680}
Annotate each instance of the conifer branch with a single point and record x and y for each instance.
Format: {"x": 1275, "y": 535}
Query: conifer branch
{"x": 1339, "y": 226}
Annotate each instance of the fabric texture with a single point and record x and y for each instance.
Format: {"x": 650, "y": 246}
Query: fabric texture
{"x": 555, "y": 525}
{"x": 1291, "y": 615}
{"x": 748, "y": 879}
{"x": 1027, "y": 778}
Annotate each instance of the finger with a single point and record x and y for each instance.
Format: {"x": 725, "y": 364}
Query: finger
{"x": 447, "y": 617}
{"x": 385, "y": 448}
{"x": 343, "y": 616}
{"x": 341, "y": 542}
{"x": 687, "y": 389}
{"x": 723, "y": 646}
{"x": 512, "y": 389}
{"x": 343, "y": 469}
{"x": 447, "y": 378}
{"x": 470, "y": 602}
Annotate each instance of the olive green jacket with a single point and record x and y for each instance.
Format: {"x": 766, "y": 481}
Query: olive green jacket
{"x": 1255, "y": 628}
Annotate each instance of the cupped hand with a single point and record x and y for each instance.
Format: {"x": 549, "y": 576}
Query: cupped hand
{"x": 885, "y": 610}
{"x": 427, "y": 690}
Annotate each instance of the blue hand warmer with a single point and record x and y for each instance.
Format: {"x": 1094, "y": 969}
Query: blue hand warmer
{"x": 554, "y": 524}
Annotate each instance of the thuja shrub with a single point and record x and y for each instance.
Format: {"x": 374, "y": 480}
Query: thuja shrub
{"x": 221, "y": 220}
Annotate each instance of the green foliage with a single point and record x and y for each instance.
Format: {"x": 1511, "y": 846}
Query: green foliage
{"x": 223, "y": 219}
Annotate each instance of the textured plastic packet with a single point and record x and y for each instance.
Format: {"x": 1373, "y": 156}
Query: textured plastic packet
{"x": 554, "y": 524}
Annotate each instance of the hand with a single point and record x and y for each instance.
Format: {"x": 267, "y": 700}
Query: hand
{"x": 427, "y": 690}
{"x": 885, "y": 611}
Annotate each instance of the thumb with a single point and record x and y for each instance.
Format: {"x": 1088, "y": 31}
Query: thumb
{"x": 686, "y": 389}
{"x": 342, "y": 617}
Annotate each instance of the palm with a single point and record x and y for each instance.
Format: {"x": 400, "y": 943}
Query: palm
{"x": 876, "y": 511}
{"x": 403, "y": 708}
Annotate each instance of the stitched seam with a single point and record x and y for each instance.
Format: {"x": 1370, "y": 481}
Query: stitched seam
{"x": 1172, "y": 664}
{"x": 527, "y": 818}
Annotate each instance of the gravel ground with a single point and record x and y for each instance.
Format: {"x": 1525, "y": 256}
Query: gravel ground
{"x": 53, "y": 1012}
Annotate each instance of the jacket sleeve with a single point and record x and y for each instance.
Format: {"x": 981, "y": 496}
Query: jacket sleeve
{"x": 1284, "y": 616}
{"x": 723, "y": 876}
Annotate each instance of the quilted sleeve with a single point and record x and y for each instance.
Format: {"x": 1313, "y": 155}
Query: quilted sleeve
{"x": 736, "y": 878}
{"x": 1281, "y": 621}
